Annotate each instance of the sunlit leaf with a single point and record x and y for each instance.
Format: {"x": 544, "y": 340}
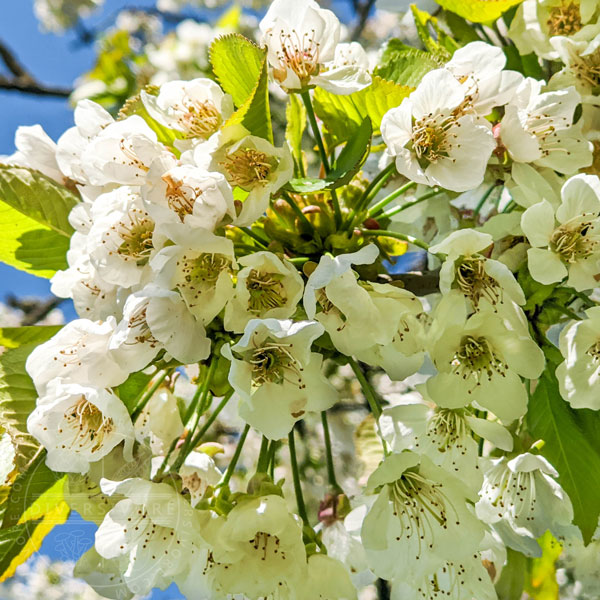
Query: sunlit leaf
{"x": 478, "y": 11}
{"x": 13, "y": 337}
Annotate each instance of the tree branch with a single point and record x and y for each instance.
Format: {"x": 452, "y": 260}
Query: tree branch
{"x": 362, "y": 10}
{"x": 23, "y": 81}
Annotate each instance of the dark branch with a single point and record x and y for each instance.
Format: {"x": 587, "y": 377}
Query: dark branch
{"x": 420, "y": 284}
{"x": 23, "y": 81}
{"x": 362, "y": 10}
{"x": 34, "y": 310}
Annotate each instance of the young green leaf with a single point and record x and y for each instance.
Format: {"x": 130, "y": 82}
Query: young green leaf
{"x": 13, "y": 337}
{"x": 405, "y": 65}
{"x": 237, "y": 63}
{"x": 347, "y": 164}
{"x": 37, "y": 197}
{"x": 343, "y": 115}
{"x": 295, "y": 114}
{"x": 433, "y": 37}
{"x": 17, "y": 401}
{"x": 568, "y": 449}
{"x": 478, "y": 11}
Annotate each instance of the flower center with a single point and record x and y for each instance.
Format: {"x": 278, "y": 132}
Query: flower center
{"x": 90, "y": 425}
{"x": 447, "y": 428}
{"x": 587, "y": 69}
{"x": 138, "y": 322}
{"x": 420, "y": 504}
{"x": 247, "y": 168}
{"x": 204, "y": 268}
{"x": 267, "y": 545}
{"x": 131, "y": 158}
{"x": 274, "y": 363}
{"x": 266, "y": 291}
{"x": 430, "y": 140}
{"x": 475, "y": 283}
{"x": 299, "y": 53}
{"x": 572, "y": 242}
{"x": 514, "y": 493}
{"x": 476, "y": 359}
{"x": 180, "y": 197}
{"x": 201, "y": 119}
{"x": 136, "y": 236}
{"x": 564, "y": 19}
{"x": 594, "y": 351}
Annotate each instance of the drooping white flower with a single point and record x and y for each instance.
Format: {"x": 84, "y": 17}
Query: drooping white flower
{"x": 455, "y": 580}
{"x": 197, "y": 473}
{"x": 183, "y": 197}
{"x": 159, "y": 422}
{"x": 79, "y": 424}
{"x": 582, "y": 67}
{"x": 529, "y": 185}
{"x": 90, "y": 120}
{"x": 374, "y": 321}
{"x": 523, "y": 493}
{"x": 267, "y": 288}
{"x": 579, "y": 375}
{"x": 479, "y": 67}
{"x": 328, "y": 579}
{"x": 122, "y": 153}
{"x": 538, "y": 128}
{"x": 201, "y": 268}
{"x": 419, "y": 513}
{"x": 445, "y": 435}
{"x": 276, "y": 376}
{"x": 36, "y": 150}
{"x": 153, "y": 319}
{"x": 250, "y": 163}
{"x": 537, "y": 22}
{"x": 155, "y": 528}
{"x": 195, "y": 108}
{"x": 78, "y": 352}
{"x": 482, "y": 358}
{"x": 121, "y": 239}
{"x": 257, "y": 551}
{"x": 434, "y": 140}
{"x": 301, "y": 40}
{"x": 479, "y": 279}
{"x": 57, "y": 15}
{"x": 565, "y": 241}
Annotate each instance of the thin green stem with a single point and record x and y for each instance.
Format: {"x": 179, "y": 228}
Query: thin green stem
{"x": 298, "y": 212}
{"x": 255, "y": 237}
{"x": 235, "y": 457}
{"x": 367, "y": 389}
{"x": 394, "y": 234}
{"x": 212, "y": 418}
{"x": 407, "y": 205}
{"x": 483, "y": 200}
{"x": 372, "y": 190}
{"x": 328, "y": 452}
{"x": 299, "y": 260}
{"x": 137, "y": 411}
{"x": 377, "y": 208}
{"x": 263, "y": 456}
{"x": 272, "y": 453}
{"x": 315, "y": 129}
{"x": 322, "y": 152}
{"x": 481, "y": 440}
{"x": 296, "y": 478}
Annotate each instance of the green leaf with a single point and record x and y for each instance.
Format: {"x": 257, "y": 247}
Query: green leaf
{"x": 29, "y": 247}
{"x": 38, "y": 197}
{"x": 255, "y": 113}
{"x": 237, "y": 63}
{"x": 135, "y": 106}
{"x": 343, "y": 115}
{"x": 131, "y": 390}
{"x": 295, "y": 114}
{"x": 12, "y": 542}
{"x": 567, "y": 448}
{"x": 405, "y": 65}
{"x": 478, "y": 11}
{"x": 511, "y": 584}
{"x": 17, "y": 401}
{"x": 542, "y": 584}
{"x": 433, "y": 37}
{"x": 27, "y": 488}
{"x": 13, "y": 337}
{"x": 348, "y": 163}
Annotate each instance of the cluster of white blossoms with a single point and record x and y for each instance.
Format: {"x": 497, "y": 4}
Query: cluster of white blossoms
{"x": 210, "y": 246}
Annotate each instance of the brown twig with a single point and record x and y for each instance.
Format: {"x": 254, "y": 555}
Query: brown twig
{"x": 23, "y": 81}
{"x": 362, "y": 10}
